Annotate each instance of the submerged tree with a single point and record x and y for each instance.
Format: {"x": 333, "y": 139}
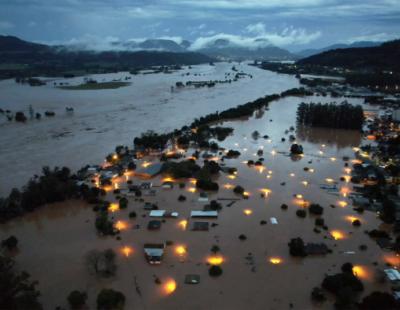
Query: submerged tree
{"x": 17, "y": 290}
{"x": 344, "y": 115}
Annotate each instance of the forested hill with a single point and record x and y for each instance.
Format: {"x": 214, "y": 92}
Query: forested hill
{"x": 18, "y": 57}
{"x": 383, "y": 57}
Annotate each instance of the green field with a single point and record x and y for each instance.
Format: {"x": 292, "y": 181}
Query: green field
{"x": 96, "y": 86}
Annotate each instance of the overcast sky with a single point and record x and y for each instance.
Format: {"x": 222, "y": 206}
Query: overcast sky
{"x": 292, "y": 24}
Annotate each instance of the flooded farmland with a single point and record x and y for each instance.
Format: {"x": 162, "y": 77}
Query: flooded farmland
{"x": 258, "y": 272}
{"x": 103, "y": 119}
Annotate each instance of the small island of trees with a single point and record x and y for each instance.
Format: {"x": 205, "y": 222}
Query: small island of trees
{"x": 344, "y": 115}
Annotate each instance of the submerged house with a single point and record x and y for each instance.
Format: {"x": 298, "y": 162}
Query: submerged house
{"x": 204, "y": 214}
{"x": 154, "y": 252}
{"x": 150, "y": 171}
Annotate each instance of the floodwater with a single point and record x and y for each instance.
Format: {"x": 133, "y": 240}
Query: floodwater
{"x": 103, "y": 119}
{"x": 55, "y": 239}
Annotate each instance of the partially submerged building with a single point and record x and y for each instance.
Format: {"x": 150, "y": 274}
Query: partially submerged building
{"x": 150, "y": 171}
{"x": 204, "y": 214}
{"x": 154, "y": 252}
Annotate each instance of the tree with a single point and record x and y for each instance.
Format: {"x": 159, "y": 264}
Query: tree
{"x": 296, "y": 149}
{"x": 215, "y": 249}
{"x": 297, "y": 247}
{"x": 101, "y": 263}
{"x": 10, "y": 243}
{"x": 17, "y": 291}
{"x": 123, "y": 203}
{"x": 316, "y": 209}
{"x": 103, "y": 224}
{"x": 109, "y": 299}
{"x": 215, "y": 271}
{"x": 318, "y": 295}
{"x": 77, "y": 299}
{"x": 379, "y": 300}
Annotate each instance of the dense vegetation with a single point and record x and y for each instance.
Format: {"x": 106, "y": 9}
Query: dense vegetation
{"x": 344, "y": 115}
{"x": 383, "y": 57}
{"x": 52, "y": 186}
{"x": 17, "y": 290}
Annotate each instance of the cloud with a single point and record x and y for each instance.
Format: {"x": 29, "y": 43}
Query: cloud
{"x": 261, "y": 38}
{"x": 4, "y": 25}
{"x": 250, "y": 4}
{"x": 377, "y": 37}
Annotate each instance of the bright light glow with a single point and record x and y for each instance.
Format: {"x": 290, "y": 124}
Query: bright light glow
{"x": 342, "y": 203}
{"x": 344, "y": 191}
{"x": 347, "y": 170}
{"x": 329, "y": 180}
{"x": 311, "y": 170}
{"x": 180, "y": 250}
{"x": 168, "y": 179}
{"x": 114, "y": 207}
{"x": 356, "y": 161}
{"x": 392, "y": 259}
{"x": 231, "y": 176}
{"x": 351, "y": 218}
{"x": 275, "y": 260}
{"x": 215, "y": 260}
{"x": 228, "y": 186}
{"x": 121, "y": 225}
{"x": 193, "y": 181}
{"x": 273, "y": 152}
{"x": 127, "y": 251}
{"x": 305, "y": 183}
{"x": 183, "y": 224}
{"x": 260, "y": 169}
{"x": 247, "y": 212}
{"x": 333, "y": 158}
{"x": 116, "y": 186}
{"x": 337, "y": 234}
{"x": 145, "y": 164}
{"x": 115, "y": 157}
{"x": 299, "y": 196}
{"x": 292, "y": 175}
{"x": 246, "y": 194}
{"x": 361, "y": 272}
{"x": 347, "y": 178}
{"x": 266, "y": 191}
{"x": 192, "y": 189}
{"x": 170, "y": 286}
{"x": 321, "y": 153}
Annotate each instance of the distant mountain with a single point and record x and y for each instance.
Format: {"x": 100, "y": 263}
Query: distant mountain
{"x": 53, "y": 60}
{"x": 310, "y": 52}
{"x": 262, "y": 50}
{"x": 14, "y": 44}
{"x": 383, "y": 57}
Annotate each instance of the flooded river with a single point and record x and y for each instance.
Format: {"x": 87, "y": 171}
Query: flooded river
{"x": 55, "y": 239}
{"x": 103, "y": 119}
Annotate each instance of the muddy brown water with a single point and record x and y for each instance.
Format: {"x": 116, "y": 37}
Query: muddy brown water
{"x": 103, "y": 119}
{"x": 55, "y": 239}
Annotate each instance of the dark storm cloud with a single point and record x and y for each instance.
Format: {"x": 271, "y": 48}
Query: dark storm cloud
{"x": 289, "y": 23}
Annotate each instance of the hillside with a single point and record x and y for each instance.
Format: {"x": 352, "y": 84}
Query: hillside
{"x": 18, "y": 57}
{"x": 224, "y": 49}
{"x": 315, "y": 51}
{"x": 383, "y": 57}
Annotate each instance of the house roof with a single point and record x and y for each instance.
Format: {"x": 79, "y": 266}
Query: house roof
{"x": 392, "y": 274}
{"x": 204, "y": 214}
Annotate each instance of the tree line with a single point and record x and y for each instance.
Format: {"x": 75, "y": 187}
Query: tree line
{"x": 344, "y": 115}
